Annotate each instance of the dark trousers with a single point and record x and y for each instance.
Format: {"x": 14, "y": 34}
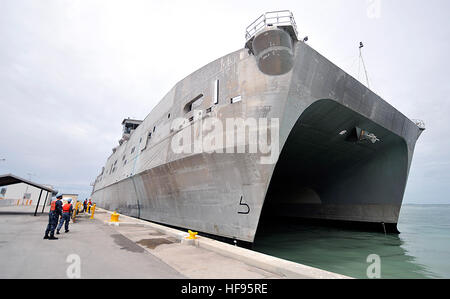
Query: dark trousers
{"x": 52, "y": 223}
{"x": 64, "y": 218}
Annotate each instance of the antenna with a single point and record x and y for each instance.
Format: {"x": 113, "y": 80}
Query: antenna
{"x": 361, "y": 59}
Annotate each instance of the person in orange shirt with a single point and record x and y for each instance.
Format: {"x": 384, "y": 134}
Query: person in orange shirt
{"x": 67, "y": 210}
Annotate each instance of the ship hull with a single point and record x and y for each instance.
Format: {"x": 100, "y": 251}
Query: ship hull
{"x": 317, "y": 174}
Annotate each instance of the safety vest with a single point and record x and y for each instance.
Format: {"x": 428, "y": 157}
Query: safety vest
{"x": 53, "y": 205}
{"x": 66, "y": 207}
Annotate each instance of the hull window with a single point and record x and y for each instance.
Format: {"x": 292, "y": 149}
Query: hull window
{"x": 194, "y": 103}
{"x": 236, "y": 99}
{"x": 216, "y": 92}
{"x": 149, "y": 136}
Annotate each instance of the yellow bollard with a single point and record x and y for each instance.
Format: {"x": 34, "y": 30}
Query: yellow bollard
{"x": 93, "y": 211}
{"x": 75, "y": 212}
{"x": 18, "y": 201}
{"x": 114, "y": 217}
{"x": 192, "y": 235}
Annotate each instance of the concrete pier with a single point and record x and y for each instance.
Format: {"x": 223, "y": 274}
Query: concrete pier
{"x": 131, "y": 249}
{"x": 103, "y": 252}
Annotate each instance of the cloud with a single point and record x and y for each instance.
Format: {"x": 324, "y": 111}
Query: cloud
{"x": 70, "y": 71}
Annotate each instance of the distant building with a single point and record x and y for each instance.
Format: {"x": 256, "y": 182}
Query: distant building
{"x": 24, "y": 192}
{"x": 66, "y": 196}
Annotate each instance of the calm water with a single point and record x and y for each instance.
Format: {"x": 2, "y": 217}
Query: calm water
{"x": 422, "y": 250}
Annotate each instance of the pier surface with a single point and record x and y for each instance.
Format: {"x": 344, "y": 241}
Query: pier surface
{"x": 131, "y": 250}
{"x": 103, "y": 252}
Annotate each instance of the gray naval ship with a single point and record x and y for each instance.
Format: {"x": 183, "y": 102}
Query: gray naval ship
{"x": 340, "y": 152}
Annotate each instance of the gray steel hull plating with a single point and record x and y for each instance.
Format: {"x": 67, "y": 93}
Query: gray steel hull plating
{"x": 318, "y": 174}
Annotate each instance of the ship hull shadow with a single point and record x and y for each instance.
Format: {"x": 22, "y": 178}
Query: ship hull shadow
{"x": 324, "y": 178}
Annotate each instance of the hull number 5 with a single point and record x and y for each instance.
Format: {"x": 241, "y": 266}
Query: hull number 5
{"x": 245, "y": 208}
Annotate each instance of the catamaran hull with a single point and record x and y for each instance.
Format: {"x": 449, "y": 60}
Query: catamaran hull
{"x": 320, "y": 171}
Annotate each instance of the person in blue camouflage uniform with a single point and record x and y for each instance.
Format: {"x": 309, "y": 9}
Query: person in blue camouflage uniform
{"x": 53, "y": 217}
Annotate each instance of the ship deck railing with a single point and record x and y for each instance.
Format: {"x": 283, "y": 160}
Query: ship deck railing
{"x": 282, "y": 18}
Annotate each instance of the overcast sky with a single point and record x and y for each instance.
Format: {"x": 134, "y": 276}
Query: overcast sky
{"x": 70, "y": 71}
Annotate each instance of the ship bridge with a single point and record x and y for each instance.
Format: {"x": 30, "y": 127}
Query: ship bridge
{"x": 129, "y": 125}
{"x": 283, "y": 19}
{"x": 271, "y": 39}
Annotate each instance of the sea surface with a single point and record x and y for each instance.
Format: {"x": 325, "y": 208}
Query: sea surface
{"x": 421, "y": 250}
